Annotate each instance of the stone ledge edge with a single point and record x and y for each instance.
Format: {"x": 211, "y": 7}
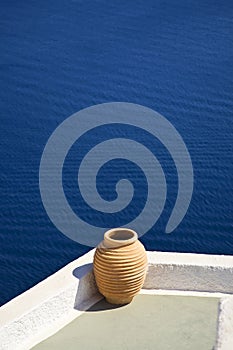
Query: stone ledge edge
{"x": 47, "y": 307}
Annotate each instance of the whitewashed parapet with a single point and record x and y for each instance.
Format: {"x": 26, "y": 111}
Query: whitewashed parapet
{"x": 225, "y": 325}
{"x": 191, "y": 272}
{"x": 47, "y": 307}
{"x": 50, "y": 305}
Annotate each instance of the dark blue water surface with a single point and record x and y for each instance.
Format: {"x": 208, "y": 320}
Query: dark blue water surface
{"x": 57, "y": 57}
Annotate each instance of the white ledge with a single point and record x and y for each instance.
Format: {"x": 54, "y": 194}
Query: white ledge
{"x": 47, "y": 307}
{"x": 56, "y": 301}
{"x": 193, "y": 272}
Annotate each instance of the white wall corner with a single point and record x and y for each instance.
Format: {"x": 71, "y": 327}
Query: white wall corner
{"x": 225, "y": 325}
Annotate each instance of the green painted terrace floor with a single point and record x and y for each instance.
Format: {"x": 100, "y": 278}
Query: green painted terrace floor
{"x": 158, "y": 322}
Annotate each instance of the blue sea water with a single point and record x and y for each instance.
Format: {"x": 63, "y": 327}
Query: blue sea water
{"x": 57, "y": 57}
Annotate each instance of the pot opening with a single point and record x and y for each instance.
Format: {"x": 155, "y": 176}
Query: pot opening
{"x": 121, "y": 234}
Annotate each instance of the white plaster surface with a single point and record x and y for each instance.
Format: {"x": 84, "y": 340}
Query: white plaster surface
{"x": 194, "y": 272}
{"x": 225, "y": 325}
{"x": 50, "y": 305}
{"x": 47, "y": 307}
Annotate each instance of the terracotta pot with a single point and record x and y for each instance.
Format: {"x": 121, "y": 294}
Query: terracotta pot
{"x": 120, "y": 264}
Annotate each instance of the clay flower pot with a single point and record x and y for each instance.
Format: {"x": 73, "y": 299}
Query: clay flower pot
{"x": 120, "y": 264}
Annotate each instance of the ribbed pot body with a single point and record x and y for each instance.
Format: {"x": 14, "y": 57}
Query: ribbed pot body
{"x": 120, "y": 266}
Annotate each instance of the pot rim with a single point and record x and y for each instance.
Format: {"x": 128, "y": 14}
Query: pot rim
{"x": 130, "y": 236}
